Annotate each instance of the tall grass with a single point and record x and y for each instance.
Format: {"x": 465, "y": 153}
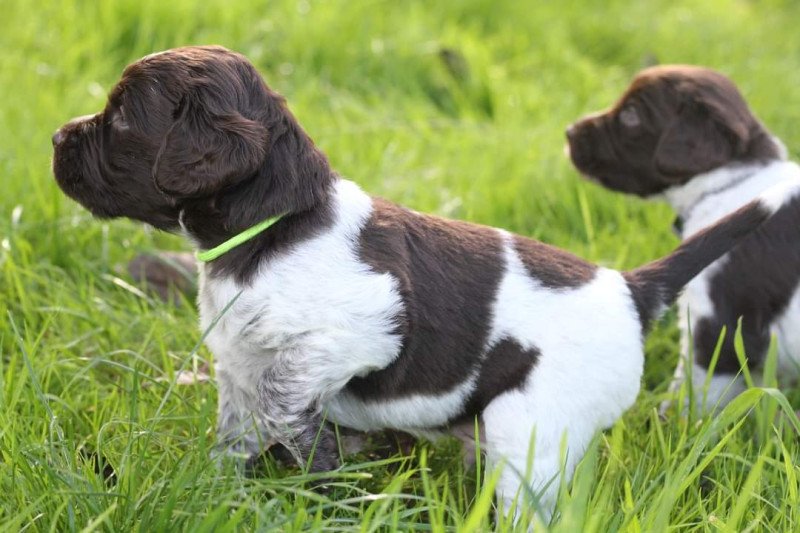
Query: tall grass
{"x": 454, "y": 107}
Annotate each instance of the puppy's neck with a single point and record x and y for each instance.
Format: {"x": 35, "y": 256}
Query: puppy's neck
{"x": 295, "y": 181}
{"x": 685, "y": 197}
{"x": 709, "y": 196}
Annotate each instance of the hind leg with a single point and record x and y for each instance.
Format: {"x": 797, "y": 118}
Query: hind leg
{"x": 515, "y": 424}
{"x": 566, "y": 399}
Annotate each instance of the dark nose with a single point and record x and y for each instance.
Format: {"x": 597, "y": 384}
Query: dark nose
{"x": 570, "y": 131}
{"x": 77, "y": 125}
{"x": 58, "y": 136}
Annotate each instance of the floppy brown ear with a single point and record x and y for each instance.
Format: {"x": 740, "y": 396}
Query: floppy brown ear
{"x": 701, "y": 138}
{"x": 204, "y": 152}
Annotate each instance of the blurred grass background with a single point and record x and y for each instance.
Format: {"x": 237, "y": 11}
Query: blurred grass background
{"x": 456, "y": 108}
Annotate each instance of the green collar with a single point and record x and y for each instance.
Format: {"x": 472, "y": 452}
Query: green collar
{"x": 236, "y": 240}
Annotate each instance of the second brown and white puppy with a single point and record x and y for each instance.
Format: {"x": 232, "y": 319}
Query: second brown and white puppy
{"x": 686, "y": 134}
{"x": 354, "y": 307}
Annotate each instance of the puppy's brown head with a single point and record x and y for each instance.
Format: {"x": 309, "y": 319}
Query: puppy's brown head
{"x": 673, "y": 123}
{"x": 191, "y": 133}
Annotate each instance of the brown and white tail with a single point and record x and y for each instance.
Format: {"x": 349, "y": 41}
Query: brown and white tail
{"x": 655, "y": 286}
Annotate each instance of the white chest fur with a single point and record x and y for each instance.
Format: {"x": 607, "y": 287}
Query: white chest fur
{"x": 316, "y": 298}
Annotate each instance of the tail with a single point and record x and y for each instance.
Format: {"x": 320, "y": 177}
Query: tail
{"x": 655, "y": 286}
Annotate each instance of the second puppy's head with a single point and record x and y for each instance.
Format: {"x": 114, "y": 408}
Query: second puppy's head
{"x": 673, "y": 123}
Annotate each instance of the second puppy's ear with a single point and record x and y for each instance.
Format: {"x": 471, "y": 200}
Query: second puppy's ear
{"x": 712, "y": 128}
{"x": 701, "y": 138}
{"x": 204, "y": 152}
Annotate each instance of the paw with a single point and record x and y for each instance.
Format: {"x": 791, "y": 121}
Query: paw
{"x": 326, "y": 461}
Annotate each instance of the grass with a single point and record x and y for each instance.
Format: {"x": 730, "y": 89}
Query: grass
{"x": 456, "y": 108}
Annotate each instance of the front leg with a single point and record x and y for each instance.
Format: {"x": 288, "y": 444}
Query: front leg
{"x": 289, "y": 405}
{"x": 239, "y": 431}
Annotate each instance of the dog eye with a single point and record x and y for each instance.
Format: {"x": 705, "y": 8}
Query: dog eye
{"x": 629, "y": 117}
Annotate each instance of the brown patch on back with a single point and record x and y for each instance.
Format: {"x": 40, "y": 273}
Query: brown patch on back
{"x": 553, "y": 267}
{"x": 448, "y": 274}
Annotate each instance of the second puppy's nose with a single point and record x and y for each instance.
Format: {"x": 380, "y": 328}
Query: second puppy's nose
{"x": 77, "y": 124}
{"x": 58, "y": 137}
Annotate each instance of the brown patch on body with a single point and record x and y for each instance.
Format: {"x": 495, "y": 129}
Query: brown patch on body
{"x": 552, "y": 267}
{"x": 506, "y": 366}
{"x": 448, "y": 273}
